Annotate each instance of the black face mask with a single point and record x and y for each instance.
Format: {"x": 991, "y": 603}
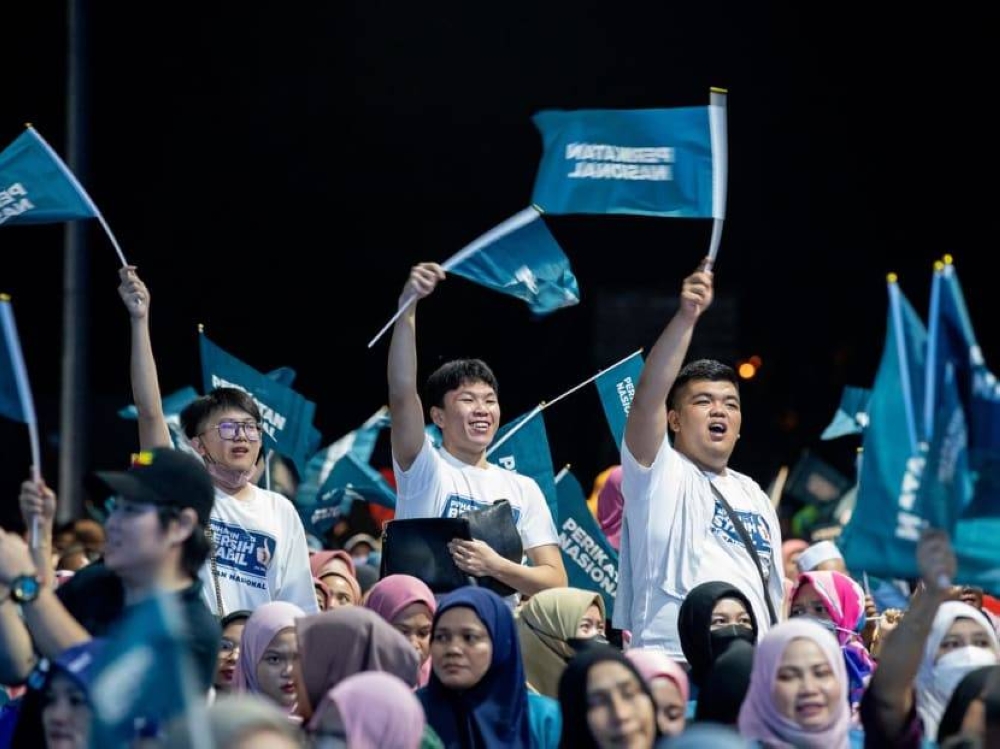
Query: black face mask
{"x": 579, "y": 644}
{"x": 723, "y": 637}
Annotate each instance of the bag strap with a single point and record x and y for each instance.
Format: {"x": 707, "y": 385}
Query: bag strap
{"x": 741, "y": 529}
{"x": 220, "y": 612}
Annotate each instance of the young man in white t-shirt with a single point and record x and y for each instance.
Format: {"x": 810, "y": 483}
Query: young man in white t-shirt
{"x": 260, "y": 552}
{"x": 462, "y": 396}
{"x": 676, "y": 533}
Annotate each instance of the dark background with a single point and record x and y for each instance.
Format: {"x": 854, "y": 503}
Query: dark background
{"x": 274, "y": 171}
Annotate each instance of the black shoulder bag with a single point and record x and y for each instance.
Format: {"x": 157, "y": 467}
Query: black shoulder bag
{"x": 741, "y": 529}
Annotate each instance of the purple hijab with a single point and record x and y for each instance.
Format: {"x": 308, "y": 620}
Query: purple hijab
{"x": 759, "y": 717}
{"x": 393, "y": 593}
{"x": 264, "y": 623}
{"x": 379, "y": 711}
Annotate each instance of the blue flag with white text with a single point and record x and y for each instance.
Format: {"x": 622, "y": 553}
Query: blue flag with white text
{"x": 526, "y": 451}
{"x": 36, "y": 187}
{"x": 616, "y": 388}
{"x": 887, "y": 520}
{"x": 521, "y": 258}
{"x": 652, "y": 162}
{"x": 591, "y": 562}
{"x": 287, "y": 416}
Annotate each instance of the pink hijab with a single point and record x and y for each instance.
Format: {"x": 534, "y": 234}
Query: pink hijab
{"x": 653, "y": 664}
{"x": 378, "y": 710}
{"x": 843, "y": 598}
{"x": 264, "y": 623}
{"x": 319, "y": 559}
{"x": 759, "y": 717}
{"x": 609, "y": 507}
{"x": 393, "y": 593}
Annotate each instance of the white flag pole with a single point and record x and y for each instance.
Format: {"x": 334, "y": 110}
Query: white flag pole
{"x": 720, "y": 168}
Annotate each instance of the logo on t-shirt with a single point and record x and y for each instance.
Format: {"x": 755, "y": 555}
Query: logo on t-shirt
{"x": 457, "y": 505}
{"x": 246, "y": 552}
{"x": 760, "y": 536}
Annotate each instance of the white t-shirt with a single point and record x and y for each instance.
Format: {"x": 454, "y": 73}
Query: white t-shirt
{"x": 261, "y": 554}
{"x": 676, "y": 535}
{"x": 439, "y": 485}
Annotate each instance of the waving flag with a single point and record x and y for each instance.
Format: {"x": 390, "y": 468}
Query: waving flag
{"x": 522, "y": 446}
{"x": 887, "y": 521}
{"x": 591, "y": 562}
{"x": 851, "y": 416}
{"x": 616, "y": 388}
{"x": 288, "y": 417}
{"x": 36, "y": 187}
{"x": 519, "y": 257}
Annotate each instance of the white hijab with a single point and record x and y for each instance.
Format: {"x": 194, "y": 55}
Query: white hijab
{"x": 936, "y": 680}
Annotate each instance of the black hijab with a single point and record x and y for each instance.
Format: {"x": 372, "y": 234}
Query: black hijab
{"x": 969, "y": 688}
{"x": 694, "y": 624}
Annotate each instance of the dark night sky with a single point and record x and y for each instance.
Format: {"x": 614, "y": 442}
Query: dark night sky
{"x": 345, "y": 141}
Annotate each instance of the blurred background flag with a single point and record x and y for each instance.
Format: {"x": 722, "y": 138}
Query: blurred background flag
{"x": 851, "y": 416}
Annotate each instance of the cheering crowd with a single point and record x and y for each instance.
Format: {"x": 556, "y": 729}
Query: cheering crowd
{"x": 721, "y": 633}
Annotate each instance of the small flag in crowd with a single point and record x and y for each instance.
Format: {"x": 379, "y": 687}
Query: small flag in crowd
{"x": 851, "y": 416}
{"x": 522, "y": 445}
{"x": 616, "y": 388}
{"x": 36, "y": 187}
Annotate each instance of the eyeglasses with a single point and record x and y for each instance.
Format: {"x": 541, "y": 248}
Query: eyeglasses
{"x": 227, "y": 647}
{"x": 229, "y": 429}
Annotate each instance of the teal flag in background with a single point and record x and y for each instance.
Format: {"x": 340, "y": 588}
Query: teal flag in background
{"x": 16, "y": 401}
{"x": 616, "y": 388}
{"x": 591, "y": 562}
{"x": 887, "y": 520}
{"x": 288, "y": 417}
{"x": 526, "y": 451}
{"x": 521, "y": 258}
{"x": 145, "y": 678}
{"x": 851, "y": 416}
{"x": 173, "y": 404}
{"x": 36, "y": 187}
{"x": 653, "y": 162}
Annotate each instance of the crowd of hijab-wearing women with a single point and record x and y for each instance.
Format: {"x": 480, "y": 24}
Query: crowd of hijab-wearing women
{"x": 410, "y": 670}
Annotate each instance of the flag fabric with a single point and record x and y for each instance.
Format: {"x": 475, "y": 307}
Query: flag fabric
{"x": 287, "y": 416}
{"x": 352, "y": 473}
{"x": 851, "y": 416}
{"x": 954, "y": 341}
{"x": 652, "y": 162}
{"x": 145, "y": 678}
{"x": 616, "y": 389}
{"x": 173, "y": 404}
{"x": 36, "y": 187}
{"x": 591, "y": 562}
{"x": 887, "y": 520}
{"x": 16, "y": 402}
{"x": 522, "y": 446}
{"x": 521, "y": 258}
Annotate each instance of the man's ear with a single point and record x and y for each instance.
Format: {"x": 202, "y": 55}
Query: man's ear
{"x": 198, "y": 445}
{"x": 184, "y": 525}
{"x": 673, "y": 421}
{"x": 437, "y": 416}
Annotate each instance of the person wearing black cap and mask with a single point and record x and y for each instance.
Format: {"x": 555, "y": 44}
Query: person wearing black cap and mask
{"x": 155, "y": 543}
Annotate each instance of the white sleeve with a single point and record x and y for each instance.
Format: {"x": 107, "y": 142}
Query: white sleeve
{"x": 537, "y": 525}
{"x": 418, "y": 489}
{"x": 295, "y": 583}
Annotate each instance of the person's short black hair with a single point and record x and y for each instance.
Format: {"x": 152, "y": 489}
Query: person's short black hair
{"x": 234, "y": 616}
{"x": 452, "y": 375}
{"x": 702, "y": 369}
{"x": 198, "y": 411}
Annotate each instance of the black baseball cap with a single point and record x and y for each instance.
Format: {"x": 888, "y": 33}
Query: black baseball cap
{"x": 163, "y": 476}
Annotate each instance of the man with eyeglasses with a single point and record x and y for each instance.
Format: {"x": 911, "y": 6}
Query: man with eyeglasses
{"x": 260, "y": 550}
{"x": 155, "y": 543}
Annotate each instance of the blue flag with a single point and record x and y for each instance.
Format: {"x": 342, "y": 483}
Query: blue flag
{"x": 591, "y": 562}
{"x": 887, "y": 520}
{"x": 36, "y": 187}
{"x": 851, "y": 416}
{"x": 650, "y": 162}
{"x": 16, "y": 402}
{"x": 526, "y": 451}
{"x": 288, "y": 417}
{"x": 145, "y": 678}
{"x": 173, "y": 404}
{"x": 616, "y": 388}
{"x": 352, "y": 473}
{"x": 955, "y": 342}
{"x": 520, "y": 257}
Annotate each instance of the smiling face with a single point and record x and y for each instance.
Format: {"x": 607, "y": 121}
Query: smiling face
{"x": 706, "y": 421}
{"x": 239, "y": 453}
{"x": 277, "y": 666}
{"x": 461, "y": 648}
{"x": 468, "y": 420}
{"x": 806, "y": 690}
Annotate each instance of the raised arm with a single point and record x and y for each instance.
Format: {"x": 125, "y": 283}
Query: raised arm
{"x": 153, "y": 431}
{"x": 407, "y": 432}
{"x": 891, "y": 687}
{"x": 647, "y": 419}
